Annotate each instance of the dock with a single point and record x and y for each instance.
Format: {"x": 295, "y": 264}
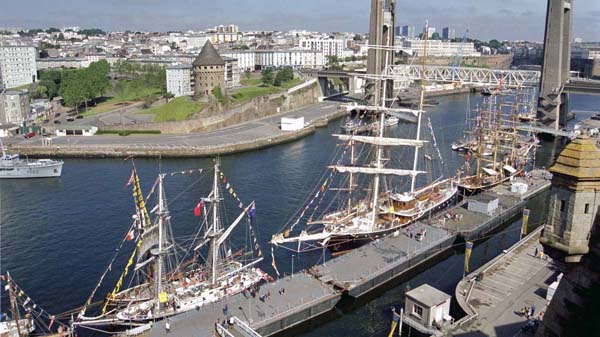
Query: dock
{"x": 383, "y": 259}
{"x": 493, "y": 295}
{"x": 319, "y": 289}
{"x": 472, "y": 225}
{"x": 304, "y": 298}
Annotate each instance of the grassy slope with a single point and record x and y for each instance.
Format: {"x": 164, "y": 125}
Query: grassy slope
{"x": 178, "y": 109}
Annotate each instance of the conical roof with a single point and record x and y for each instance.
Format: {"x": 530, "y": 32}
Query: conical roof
{"x": 208, "y": 56}
{"x": 579, "y": 159}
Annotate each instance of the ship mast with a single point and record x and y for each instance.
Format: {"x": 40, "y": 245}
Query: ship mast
{"x": 159, "y": 263}
{"x": 214, "y": 246}
{"x": 378, "y": 165}
{"x": 13, "y": 303}
{"x": 351, "y": 183}
{"x": 421, "y": 99}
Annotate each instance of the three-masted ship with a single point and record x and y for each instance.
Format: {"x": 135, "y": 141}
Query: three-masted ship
{"x": 384, "y": 209}
{"x": 170, "y": 278}
{"x": 499, "y": 152}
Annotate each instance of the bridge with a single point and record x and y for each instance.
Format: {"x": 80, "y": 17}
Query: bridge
{"x": 547, "y": 130}
{"x": 582, "y": 86}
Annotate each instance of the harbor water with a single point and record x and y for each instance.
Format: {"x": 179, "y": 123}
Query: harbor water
{"x": 58, "y": 235}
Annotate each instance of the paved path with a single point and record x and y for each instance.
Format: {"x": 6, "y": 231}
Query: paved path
{"x": 237, "y": 134}
{"x": 512, "y": 281}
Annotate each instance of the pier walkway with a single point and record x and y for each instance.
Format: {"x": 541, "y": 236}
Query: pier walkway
{"x": 471, "y": 225}
{"x": 511, "y": 281}
{"x": 365, "y": 268}
{"x": 304, "y": 297}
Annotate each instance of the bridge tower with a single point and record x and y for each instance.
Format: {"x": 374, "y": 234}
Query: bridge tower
{"x": 553, "y": 102}
{"x": 381, "y": 33}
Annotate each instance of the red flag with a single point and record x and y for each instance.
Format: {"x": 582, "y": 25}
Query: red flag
{"x": 130, "y": 181}
{"x": 198, "y": 209}
{"x": 130, "y": 235}
{"x": 468, "y": 156}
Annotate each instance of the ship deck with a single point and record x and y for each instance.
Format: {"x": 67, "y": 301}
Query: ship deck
{"x": 302, "y": 292}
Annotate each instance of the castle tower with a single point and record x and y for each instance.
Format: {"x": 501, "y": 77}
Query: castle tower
{"x": 209, "y": 70}
{"x": 574, "y": 200}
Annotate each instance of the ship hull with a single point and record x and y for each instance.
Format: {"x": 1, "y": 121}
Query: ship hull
{"x": 31, "y": 171}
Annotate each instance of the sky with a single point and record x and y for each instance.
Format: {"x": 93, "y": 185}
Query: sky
{"x": 485, "y": 19}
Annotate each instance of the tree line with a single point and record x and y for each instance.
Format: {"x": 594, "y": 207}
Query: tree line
{"x": 76, "y": 86}
{"x": 270, "y": 77}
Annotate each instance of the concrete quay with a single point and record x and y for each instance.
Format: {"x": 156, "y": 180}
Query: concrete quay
{"x": 304, "y": 298}
{"x": 509, "y": 282}
{"x": 248, "y": 136}
{"x": 382, "y": 260}
{"x": 471, "y": 225}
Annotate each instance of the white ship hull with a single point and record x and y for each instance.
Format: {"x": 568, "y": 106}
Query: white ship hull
{"x": 34, "y": 169}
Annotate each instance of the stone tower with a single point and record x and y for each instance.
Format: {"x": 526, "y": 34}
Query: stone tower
{"x": 572, "y": 239}
{"x": 553, "y": 103}
{"x": 209, "y": 71}
{"x": 574, "y": 200}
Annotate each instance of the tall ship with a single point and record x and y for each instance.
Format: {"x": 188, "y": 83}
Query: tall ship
{"x": 378, "y": 191}
{"x": 13, "y": 167}
{"x": 498, "y": 152}
{"x": 27, "y": 318}
{"x": 170, "y": 277}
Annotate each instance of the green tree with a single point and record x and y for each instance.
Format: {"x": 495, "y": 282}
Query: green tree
{"x": 436, "y": 36}
{"x": 284, "y": 75}
{"x": 333, "y": 62}
{"x": 72, "y": 90}
{"x": 495, "y": 44}
{"x": 267, "y": 76}
{"x": 52, "y": 30}
{"x": 40, "y": 92}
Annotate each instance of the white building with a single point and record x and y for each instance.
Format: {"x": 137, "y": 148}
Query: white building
{"x": 250, "y": 60}
{"x": 17, "y": 66}
{"x": 62, "y": 62}
{"x": 246, "y": 59}
{"x": 428, "y": 305}
{"x": 329, "y": 47}
{"x": 14, "y": 107}
{"x": 437, "y": 48}
{"x": 295, "y": 58}
{"x": 179, "y": 80}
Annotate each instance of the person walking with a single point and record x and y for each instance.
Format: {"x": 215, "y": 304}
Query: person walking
{"x": 168, "y": 325}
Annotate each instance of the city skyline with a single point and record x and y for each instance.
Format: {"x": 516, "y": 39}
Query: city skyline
{"x": 510, "y": 20}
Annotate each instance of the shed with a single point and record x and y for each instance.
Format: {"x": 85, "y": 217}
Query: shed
{"x": 292, "y": 123}
{"x": 76, "y": 130}
{"x": 483, "y": 203}
{"x": 428, "y": 305}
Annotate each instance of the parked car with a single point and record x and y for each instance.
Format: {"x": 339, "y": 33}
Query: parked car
{"x": 70, "y": 119}
{"x": 46, "y": 121}
{"x": 30, "y": 134}
{"x": 79, "y": 116}
{"x": 57, "y": 114}
{"x": 56, "y": 121}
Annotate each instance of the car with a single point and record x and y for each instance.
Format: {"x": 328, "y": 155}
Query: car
{"x": 57, "y": 114}
{"x": 56, "y": 121}
{"x": 70, "y": 119}
{"x": 79, "y": 116}
{"x": 46, "y": 121}
{"x": 30, "y": 134}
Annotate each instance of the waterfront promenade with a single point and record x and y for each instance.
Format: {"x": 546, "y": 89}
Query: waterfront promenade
{"x": 242, "y": 137}
{"x": 513, "y": 280}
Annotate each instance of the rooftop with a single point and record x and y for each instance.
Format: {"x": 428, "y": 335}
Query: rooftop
{"x": 428, "y": 295}
{"x": 579, "y": 159}
{"x": 208, "y": 56}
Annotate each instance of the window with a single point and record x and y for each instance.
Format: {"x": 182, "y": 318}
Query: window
{"x": 417, "y": 310}
{"x": 587, "y": 209}
{"x": 562, "y": 205}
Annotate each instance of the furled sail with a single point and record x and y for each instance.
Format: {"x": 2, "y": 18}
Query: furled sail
{"x": 374, "y": 170}
{"x": 383, "y": 141}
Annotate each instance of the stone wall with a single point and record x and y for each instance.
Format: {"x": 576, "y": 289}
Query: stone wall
{"x": 259, "y": 107}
